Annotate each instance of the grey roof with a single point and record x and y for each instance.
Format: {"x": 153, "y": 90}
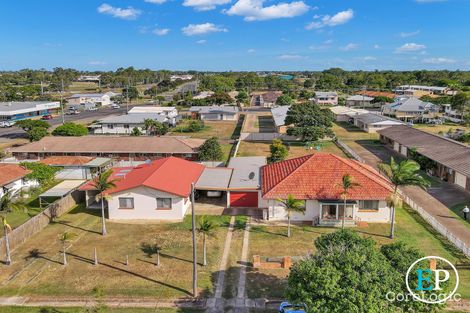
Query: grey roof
{"x": 99, "y": 161}
{"x": 325, "y": 94}
{"x": 450, "y": 153}
{"x": 279, "y": 114}
{"x": 222, "y": 109}
{"x": 15, "y": 106}
{"x": 436, "y": 88}
{"x": 242, "y": 169}
{"x": 214, "y": 178}
{"x": 371, "y": 118}
{"x": 133, "y": 118}
{"x": 359, "y": 98}
{"x": 411, "y": 104}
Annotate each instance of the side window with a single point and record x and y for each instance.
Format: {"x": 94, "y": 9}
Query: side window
{"x": 163, "y": 203}
{"x": 126, "y": 203}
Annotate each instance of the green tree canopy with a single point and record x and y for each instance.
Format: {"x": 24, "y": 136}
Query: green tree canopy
{"x": 70, "y": 129}
{"x": 37, "y": 133}
{"x": 284, "y": 100}
{"x": 220, "y": 98}
{"x": 43, "y": 173}
{"x": 211, "y": 150}
{"x": 309, "y": 122}
{"x": 279, "y": 151}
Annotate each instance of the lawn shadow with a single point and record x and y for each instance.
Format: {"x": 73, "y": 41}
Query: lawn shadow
{"x": 262, "y": 229}
{"x": 68, "y": 224}
{"x": 90, "y": 261}
{"x": 261, "y": 284}
{"x": 37, "y": 254}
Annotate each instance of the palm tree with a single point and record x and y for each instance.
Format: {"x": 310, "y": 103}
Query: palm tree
{"x": 207, "y": 229}
{"x": 405, "y": 173}
{"x": 7, "y": 204}
{"x": 292, "y": 205}
{"x": 102, "y": 183}
{"x": 347, "y": 183}
{"x": 65, "y": 238}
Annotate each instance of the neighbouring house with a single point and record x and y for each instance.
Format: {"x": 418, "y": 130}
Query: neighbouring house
{"x": 345, "y": 114}
{"x": 15, "y": 111}
{"x": 125, "y": 148}
{"x": 371, "y": 122}
{"x": 412, "y": 109}
{"x": 265, "y": 99}
{"x": 448, "y": 159}
{"x": 181, "y": 77}
{"x": 13, "y": 179}
{"x": 279, "y": 116}
{"x": 84, "y": 99}
{"x": 316, "y": 179}
{"x": 203, "y": 95}
{"x": 452, "y": 115}
{"x": 170, "y": 112}
{"x": 152, "y": 191}
{"x": 89, "y": 78}
{"x": 325, "y": 98}
{"x": 419, "y": 91}
{"x": 77, "y": 167}
{"x": 124, "y": 124}
{"x": 244, "y": 188}
{"x": 214, "y": 113}
{"x": 359, "y": 101}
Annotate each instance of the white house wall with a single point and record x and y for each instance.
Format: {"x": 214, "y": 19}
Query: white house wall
{"x": 382, "y": 215}
{"x": 145, "y": 205}
{"x": 460, "y": 180}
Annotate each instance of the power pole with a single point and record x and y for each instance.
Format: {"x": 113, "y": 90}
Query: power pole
{"x": 61, "y": 101}
{"x": 193, "y": 215}
{"x": 127, "y": 102}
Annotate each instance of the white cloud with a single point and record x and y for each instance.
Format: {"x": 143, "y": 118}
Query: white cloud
{"x": 327, "y": 20}
{"x": 155, "y": 1}
{"x": 251, "y": 50}
{"x": 128, "y": 13}
{"x": 350, "y": 46}
{"x": 376, "y": 46}
{"x": 410, "y": 34}
{"x": 202, "y": 41}
{"x": 202, "y": 29}
{"x": 97, "y": 63}
{"x": 429, "y": 1}
{"x": 253, "y": 10}
{"x": 438, "y": 61}
{"x": 161, "y": 31}
{"x": 204, "y": 5}
{"x": 410, "y": 47}
{"x": 288, "y": 57}
{"x": 369, "y": 58}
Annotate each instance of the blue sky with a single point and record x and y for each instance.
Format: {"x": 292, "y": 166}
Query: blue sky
{"x": 236, "y": 34}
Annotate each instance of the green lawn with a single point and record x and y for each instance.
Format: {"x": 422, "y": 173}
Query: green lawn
{"x": 457, "y": 209}
{"x": 411, "y": 228}
{"x": 37, "y": 268}
{"x": 295, "y": 149}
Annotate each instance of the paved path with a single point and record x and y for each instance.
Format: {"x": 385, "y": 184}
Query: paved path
{"x": 434, "y": 202}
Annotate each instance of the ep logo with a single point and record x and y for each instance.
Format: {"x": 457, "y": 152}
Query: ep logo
{"x": 429, "y": 281}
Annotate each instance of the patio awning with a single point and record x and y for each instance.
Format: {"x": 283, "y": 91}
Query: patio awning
{"x": 214, "y": 178}
{"x": 62, "y": 189}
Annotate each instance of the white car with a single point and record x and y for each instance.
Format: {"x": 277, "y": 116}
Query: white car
{"x": 115, "y": 106}
{"x": 92, "y": 109}
{"x": 6, "y": 124}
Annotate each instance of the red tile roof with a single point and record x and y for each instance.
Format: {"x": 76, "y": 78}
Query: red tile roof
{"x": 11, "y": 172}
{"x": 66, "y": 160}
{"x": 172, "y": 175}
{"x": 318, "y": 176}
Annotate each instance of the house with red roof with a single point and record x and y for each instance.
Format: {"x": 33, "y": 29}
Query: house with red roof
{"x": 13, "y": 178}
{"x": 316, "y": 180}
{"x": 159, "y": 190}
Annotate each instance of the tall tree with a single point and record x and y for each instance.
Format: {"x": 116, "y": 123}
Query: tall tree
{"x": 405, "y": 173}
{"x": 103, "y": 183}
{"x": 278, "y": 150}
{"x": 7, "y": 205}
{"x": 461, "y": 103}
{"x": 309, "y": 122}
{"x": 64, "y": 239}
{"x": 211, "y": 150}
{"x": 347, "y": 183}
{"x": 292, "y": 205}
{"x": 207, "y": 229}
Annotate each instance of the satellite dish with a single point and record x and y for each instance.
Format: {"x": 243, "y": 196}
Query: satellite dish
{"x": 148, "y": 161}
{"x": 251, "y": 175}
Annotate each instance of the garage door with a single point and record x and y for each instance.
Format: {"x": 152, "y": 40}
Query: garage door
{"x": 244, "y": 199}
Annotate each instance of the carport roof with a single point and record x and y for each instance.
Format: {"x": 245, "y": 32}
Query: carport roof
{"x": 214, "y": 178}
{"x": 246, "y": 172}
{"x": 62, "y": 188}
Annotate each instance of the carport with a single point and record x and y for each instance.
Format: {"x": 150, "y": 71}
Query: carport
{"x": 212, "y": 185}
{"x": 59, "y": 191}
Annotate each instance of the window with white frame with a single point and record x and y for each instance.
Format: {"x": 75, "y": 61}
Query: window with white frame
{"x": 369, "y": 205}
{"x": 163, "y": 203}
{"x": 126, "y": 203}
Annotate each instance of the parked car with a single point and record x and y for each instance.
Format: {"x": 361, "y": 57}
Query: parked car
{"x": 286, "y": 307}
{"x": 115, "y": 106}
{"x": 73, "y": 112}
{"x": 6, "y": 124}
{"x": 47, "y": 117}
{"x": 92, "y": 109}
